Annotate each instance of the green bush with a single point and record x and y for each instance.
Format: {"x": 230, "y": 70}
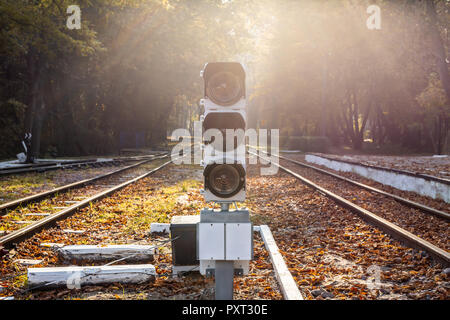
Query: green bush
{"x": 11, "y": 128}
{"x": 305, "y": 143}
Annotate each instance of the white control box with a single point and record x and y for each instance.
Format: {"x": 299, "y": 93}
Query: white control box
{"x": 211, "y": 241}
{"x": 225, "y": 241}
{"x": 238, "y": 241}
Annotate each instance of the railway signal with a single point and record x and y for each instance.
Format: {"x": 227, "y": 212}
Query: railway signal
{"x": 224, "y": 124}
{"x": 224, "y": 237}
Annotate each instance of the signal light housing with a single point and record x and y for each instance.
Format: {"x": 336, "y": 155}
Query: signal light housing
{"x": 225, "y": 108}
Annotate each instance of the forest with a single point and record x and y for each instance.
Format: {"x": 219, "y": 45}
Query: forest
{"x": 129, "y": 75}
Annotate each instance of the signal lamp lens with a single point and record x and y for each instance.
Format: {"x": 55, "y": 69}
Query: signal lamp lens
{"x": 224, "y": 180}
{"x": 224, "y": 88}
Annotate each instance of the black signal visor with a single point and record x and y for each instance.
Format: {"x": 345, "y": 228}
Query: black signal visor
{"x": 224, "y": 120}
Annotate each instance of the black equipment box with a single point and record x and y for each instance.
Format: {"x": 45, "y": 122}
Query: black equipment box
{"x": 184, "y": 249}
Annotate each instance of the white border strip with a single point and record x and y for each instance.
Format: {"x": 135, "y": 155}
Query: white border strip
{"x": 287, "y": 283}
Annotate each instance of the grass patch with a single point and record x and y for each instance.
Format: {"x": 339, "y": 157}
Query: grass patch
{"x": 258, "y": 219}
{"x": 161, "y": 206}
{"x": 21, "y": 185}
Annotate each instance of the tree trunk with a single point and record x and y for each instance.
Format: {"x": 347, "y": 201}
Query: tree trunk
{"x": 37, "y": 129}
{"x": 439, "y": 49}
{"x": 39, "y": 116}
{"x": 34, "y": 76}
{"x": 381, "y": 130}
{"x": 356, "y": 131}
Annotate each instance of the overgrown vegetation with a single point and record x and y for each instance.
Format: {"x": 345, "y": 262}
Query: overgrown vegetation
{"x": 130, "y": 74}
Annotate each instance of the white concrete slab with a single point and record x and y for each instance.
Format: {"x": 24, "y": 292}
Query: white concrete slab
{"x": 108, "y": 252}
{"x": 37, "y": 214}
{"x": 74, "y": 231}
{"x": 27, "y": 262}
{"x": 181, "y": 269}
{"x": 160, "y": 227}
{"x": 22, "y": 222}
{"x": 74, "y": 276}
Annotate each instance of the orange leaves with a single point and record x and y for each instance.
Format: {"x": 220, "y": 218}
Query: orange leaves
{"x": 326, "y": 246}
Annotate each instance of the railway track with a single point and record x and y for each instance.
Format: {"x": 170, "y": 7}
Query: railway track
{"x": 435, "y": 229}
{"x": 42, "y": 195}
{"x": 332, "y": 253}
{"x": 167, "y": 183}
{"x": 22, "y": 222}
{"x": 412, "y": 204}
{"x": 55, "y": 165}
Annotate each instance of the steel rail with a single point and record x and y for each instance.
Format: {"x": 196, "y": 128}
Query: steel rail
{"x": 47, "y": 167}
{"x": 62, "y": 165}
{"x": 46, "y": 164}
{"x": 407, "y": 202}
{"x": 386, "y": 226}
{"x": 42, "y": 195}
{"x": 19, "y": 235}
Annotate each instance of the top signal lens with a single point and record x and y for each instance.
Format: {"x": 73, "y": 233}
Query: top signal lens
{"x": 224, "y": 88}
